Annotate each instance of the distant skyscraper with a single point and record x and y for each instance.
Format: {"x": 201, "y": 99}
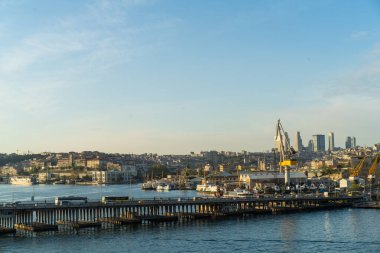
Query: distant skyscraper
{"x": 348, "y": 142}
{"x": 310, "y": 145}
{"x": 287, "y": 137}
{"x": 298, "y": 142}
{"x": 331, "y": 141}
{"x": 353, "y": 141}
{"x": 277, "y": 142}
{"x": 319, "y": 143}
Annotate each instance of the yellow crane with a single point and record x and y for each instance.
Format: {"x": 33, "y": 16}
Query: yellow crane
{"x": 372, "y": 169}
{"x": 355, "y": 172}
{"x": 286, "y": 152}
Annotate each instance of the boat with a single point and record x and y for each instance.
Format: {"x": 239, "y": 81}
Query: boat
{"x": 163, "y": 187}
{"x": 276, "y": 188}
{"x": 22, "y": 180}
{"x": 60, "y": 182}
{"x": 238, "y": 193}
{"x": 312, "y": 187}
{"x": 207, "y": 188}
{"x": 322, "y": 187}
{"x": 147, "y": 185}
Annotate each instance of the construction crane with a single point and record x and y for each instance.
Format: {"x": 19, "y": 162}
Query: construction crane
{"x": 372, "y": 169}
{"x": 286, "y": 152}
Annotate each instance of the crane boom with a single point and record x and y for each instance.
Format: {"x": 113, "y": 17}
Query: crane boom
{"x": 372, "y": 169}
{"x": 355, "y": 172}
{"x": 285, "y": 150}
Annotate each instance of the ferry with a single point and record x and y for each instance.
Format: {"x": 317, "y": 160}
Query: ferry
{"x": 238, "y": 193}
{"x": 207, "y": 188}
{"x": 21, "y": 180}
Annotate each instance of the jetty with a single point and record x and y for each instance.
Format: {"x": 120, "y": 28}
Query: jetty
{"x": 41, "y": 216}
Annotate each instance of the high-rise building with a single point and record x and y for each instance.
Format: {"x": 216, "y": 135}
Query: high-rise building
{"x": 277, "y": 142}
{"x": 319, "y": 143}
{"x": 287, "y": 137}
{"x": 298, "y": 142}
{"x": 353, "y": 141}
{"x": 331, "y": 141}
{"x": 310, "y": 146}
{"x": 348, "y": 142}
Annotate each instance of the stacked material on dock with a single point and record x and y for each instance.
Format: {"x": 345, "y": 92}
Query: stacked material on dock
{"x": 36, "y": 227}
{"x": 121, "y": 221}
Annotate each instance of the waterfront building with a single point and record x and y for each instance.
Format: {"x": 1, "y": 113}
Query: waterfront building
{"x": 260, "y": 179}
{"x": 298, "y": 142}
{"x": 8, "y": 171}
{"x": 319, "y": 143}
{"x": 96, "y": 163}
{"x": 331, "y": 141}
{"x": 44, "y": 177}
{"x": 80, "y": 162}
{"x": 222, "y": 178}
{"x": 108, "y": 177}
{"x": 63, "y": 163}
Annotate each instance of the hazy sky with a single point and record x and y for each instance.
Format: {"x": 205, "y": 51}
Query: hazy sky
{"x": 140, "y": 76}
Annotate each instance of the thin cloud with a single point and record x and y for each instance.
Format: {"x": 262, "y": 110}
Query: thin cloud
{"x": 364, "y": 81}
{"x": 360, "y": 35}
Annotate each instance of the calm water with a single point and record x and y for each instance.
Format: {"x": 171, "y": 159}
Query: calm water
{"x": 349, "y": 230}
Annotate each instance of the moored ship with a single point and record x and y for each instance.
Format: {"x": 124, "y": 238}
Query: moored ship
{"x": 207, "y": 188}
{"x": 22, "y": 180}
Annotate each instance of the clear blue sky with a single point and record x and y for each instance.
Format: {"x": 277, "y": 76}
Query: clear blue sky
{"x": 167, "y": 76}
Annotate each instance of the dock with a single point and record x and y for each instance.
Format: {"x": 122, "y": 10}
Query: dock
{"x": 36, "y": 227}
{"x": 41, "y": 216}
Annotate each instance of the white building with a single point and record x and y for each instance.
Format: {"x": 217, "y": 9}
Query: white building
{"x": 257, "y": 179}
{"x": 109, "y": 177}
{"x": 331, "y": 141}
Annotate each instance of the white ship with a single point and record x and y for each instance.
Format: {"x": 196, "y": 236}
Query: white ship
{"x": 164, "y": 187}
{"x": 20, "y": 180}
{"x": 207, "y": 188}
{"x": 238, "y": 193}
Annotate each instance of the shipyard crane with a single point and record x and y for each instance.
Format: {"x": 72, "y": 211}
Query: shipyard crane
{"x": 372, "y": 169}
{"x": 355, "y": 172}
{"x": 286, "y": 152}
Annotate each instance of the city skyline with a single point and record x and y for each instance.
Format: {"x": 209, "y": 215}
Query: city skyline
{"x": 174, "y": 77}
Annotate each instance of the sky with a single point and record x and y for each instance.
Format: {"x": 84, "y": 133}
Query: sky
{"x": 171, "y": 77}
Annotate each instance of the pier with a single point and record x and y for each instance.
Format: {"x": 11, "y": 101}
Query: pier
{"x": 41, "y": 216}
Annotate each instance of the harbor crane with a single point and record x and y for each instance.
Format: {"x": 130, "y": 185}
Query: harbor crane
{"x": 355, "y": 172}
{"x": 372, "y": 169}
{"x": 286, "y": 152}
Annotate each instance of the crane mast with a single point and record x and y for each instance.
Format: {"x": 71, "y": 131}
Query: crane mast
{"x": 286, "y": 152}
{"x": 372, "y": 169}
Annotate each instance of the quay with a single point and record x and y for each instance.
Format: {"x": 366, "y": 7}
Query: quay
{"x": 41, "y": 216}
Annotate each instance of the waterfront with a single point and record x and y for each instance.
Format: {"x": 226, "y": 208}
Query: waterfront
{"x": 350, "y": 230}
{"x": 322, "y": 231}
{"x": 11, "y": 193}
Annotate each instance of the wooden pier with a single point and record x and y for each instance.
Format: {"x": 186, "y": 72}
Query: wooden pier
{"x": 41, "y": 216}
